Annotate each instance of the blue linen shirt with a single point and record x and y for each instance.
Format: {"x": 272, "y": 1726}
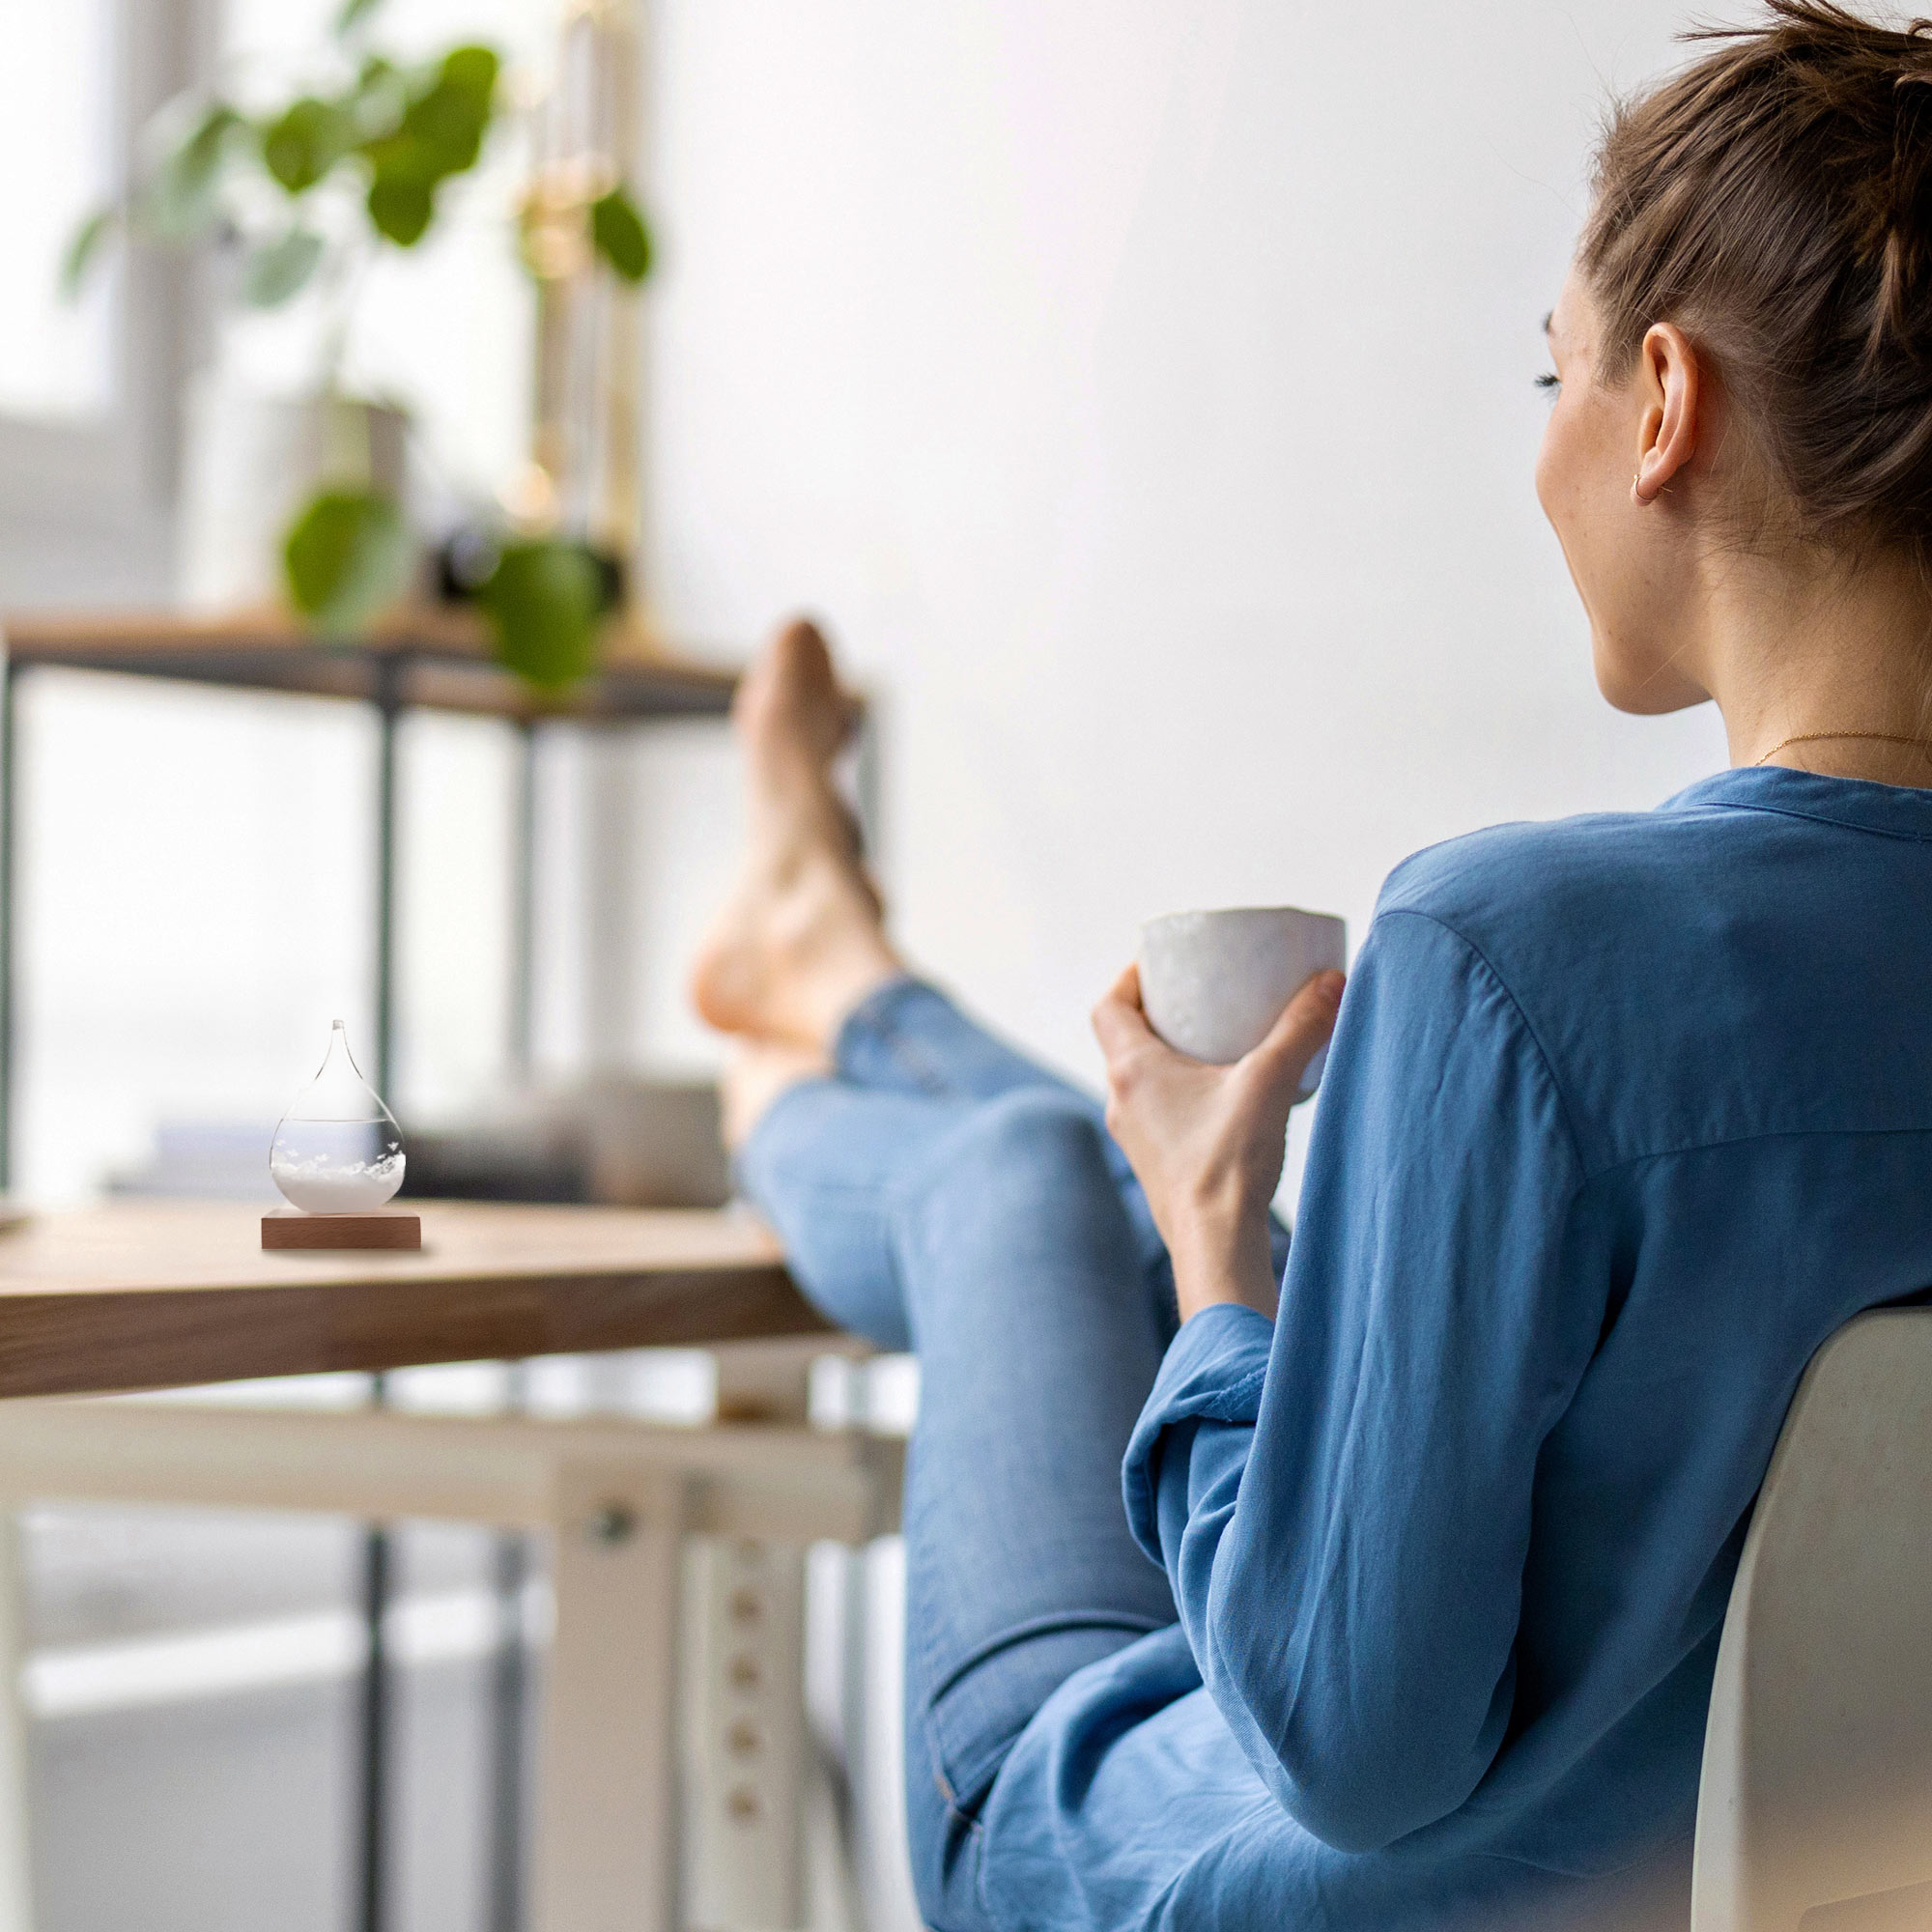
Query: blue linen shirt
{"x": 1624, "y": 1115}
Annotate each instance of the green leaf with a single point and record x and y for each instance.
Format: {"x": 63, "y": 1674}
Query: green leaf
{"x": 543, "y": 602}
{"x": 82, "y": 248}
{"x": 447, "y": 121}
{"x": 300, "y": 147}
{"x": 353, "y": 13}
{"x": 280, "y": 269}
{"x": 445, "y": 131}
{"x": 618, "y": 233}
{"x": 473, "y": 70}
{"x": 346, "y": 555}
{"x": 179, "y": 198}
{"x": 439, "y": 134}
{"x": 401, "y": 205}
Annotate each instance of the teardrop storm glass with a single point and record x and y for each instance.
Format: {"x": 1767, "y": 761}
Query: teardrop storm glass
{"x": 338, "y": 1149}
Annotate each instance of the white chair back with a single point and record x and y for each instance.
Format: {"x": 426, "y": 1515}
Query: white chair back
{"x": 1815, "y": 1808}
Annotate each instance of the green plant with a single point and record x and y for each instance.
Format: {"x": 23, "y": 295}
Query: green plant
{"x": 302, "y": 194}
{"x": 543, "y": 600}
{"x": 344, "y": 557}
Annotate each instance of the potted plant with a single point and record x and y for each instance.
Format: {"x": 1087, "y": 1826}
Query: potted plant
{"x": 299, "y": 197}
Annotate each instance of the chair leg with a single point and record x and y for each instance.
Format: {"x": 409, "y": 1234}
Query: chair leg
{"x": 605, "y": 1855}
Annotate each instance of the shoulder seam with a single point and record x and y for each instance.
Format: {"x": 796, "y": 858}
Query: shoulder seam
{"x": 1812, "y": 818}
{"x": 1685, "y": 1148}
{"x": 1488, "y": 966}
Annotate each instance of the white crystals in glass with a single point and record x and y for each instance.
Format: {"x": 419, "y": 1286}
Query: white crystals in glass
{"x": 338, "y": 1149}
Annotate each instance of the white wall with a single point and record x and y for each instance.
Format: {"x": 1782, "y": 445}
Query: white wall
{"x": 1142, "y": 390}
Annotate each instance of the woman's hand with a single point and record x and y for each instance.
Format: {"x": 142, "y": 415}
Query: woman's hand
{"x": 1207, "y": 1142}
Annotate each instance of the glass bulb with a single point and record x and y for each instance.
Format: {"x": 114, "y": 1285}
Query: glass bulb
{"x": 338, "y": 1149}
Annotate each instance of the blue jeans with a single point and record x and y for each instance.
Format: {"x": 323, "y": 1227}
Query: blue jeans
{"x": 942, "y": 1193}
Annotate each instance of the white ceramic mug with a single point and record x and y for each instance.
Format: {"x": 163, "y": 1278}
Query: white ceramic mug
{"x": 1213, "y": 984}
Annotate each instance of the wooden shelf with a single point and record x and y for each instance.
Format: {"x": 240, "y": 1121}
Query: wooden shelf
{"x": 434, "y": 657}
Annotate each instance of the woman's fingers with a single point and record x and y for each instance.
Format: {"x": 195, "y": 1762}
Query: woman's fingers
{"x": 1119, "y": 1023}
{"x": 1303, "y": 1029}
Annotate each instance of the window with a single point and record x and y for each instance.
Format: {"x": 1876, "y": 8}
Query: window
{"x": 86, "y": 391}
{"x": 57, "y": 143}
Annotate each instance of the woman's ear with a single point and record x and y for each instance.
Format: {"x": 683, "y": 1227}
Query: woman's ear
{"x": 1667, "y": 382}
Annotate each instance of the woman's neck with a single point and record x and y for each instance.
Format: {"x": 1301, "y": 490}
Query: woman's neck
{"x": 1825, "y": 669}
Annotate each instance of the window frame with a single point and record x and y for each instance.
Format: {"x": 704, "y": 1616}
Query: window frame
{"x": 113, "y": 475}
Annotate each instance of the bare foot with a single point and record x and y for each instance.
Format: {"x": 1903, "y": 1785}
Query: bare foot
{"x": 757, "y": 1073}
{"x": 791, "y": 715}
{"x": 792, "y": 719}
{"x": 797, "y": 947}
{"x": 801, "y": 941}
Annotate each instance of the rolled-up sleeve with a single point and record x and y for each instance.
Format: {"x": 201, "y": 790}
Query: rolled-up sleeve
{"x": 1214, "y": 1372}
{"x": 1342, "y": 1497}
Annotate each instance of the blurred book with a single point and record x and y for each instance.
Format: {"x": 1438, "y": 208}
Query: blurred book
{"x": 611, "y": 1140}
{"x": 204, "y": 1160}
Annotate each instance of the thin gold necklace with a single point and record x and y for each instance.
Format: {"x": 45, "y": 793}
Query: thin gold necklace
{"x": 1840, "y": 737}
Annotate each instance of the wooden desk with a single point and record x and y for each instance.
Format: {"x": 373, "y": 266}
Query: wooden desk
{"x": 170, "y": 1293}
{"x": 149, "y": 1294}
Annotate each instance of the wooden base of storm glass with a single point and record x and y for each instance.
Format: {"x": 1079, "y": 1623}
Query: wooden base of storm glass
{"x": 291, "y": 1227}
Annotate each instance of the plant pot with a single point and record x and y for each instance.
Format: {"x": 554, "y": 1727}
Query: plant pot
{"x": 250, "y": 462}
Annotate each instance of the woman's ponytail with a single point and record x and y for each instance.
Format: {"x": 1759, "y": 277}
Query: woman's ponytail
{"x": 1773, "y": 199}
{"x": 1902, "y": 313}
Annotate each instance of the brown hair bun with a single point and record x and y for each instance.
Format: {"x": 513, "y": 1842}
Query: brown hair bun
{"x": 1773, "y": 199}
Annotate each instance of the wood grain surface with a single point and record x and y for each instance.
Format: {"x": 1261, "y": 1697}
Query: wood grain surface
{"x": 385, "y": 1227}
{"x": 156, "y": 1294}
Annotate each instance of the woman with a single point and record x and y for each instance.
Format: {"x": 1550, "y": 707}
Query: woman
{"x": 1623, "y": 1116}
